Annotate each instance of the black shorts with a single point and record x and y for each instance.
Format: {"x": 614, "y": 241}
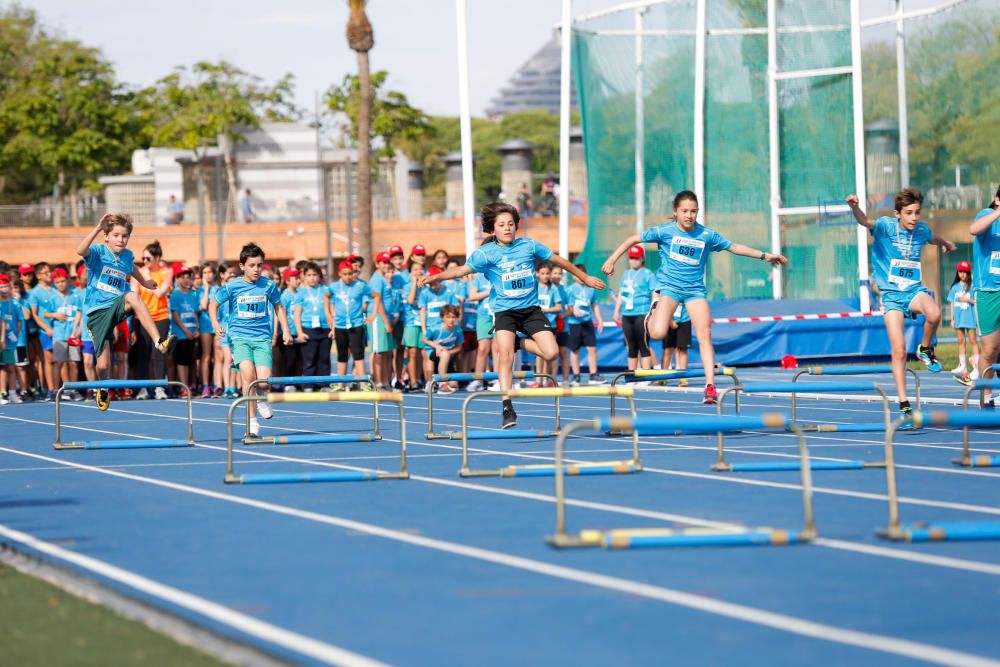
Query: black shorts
{"x": 562, "y": 339}
{"x": 350, "y": 342}
{"x": 528, "y": 321}
{"x": 582, "y": 335}
{"x": 184, "y": 352}
{"x": 679, "y": 338}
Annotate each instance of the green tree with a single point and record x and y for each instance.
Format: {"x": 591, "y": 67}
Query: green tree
{"x": 19, "y": 32}
{"x": 361, "y": 39}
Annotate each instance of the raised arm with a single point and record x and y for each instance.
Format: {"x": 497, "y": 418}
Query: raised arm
{"x": 447, "y": 274}
{"x": 148, "y": 283}
{"x": 83, "y": 249}
{"x": 859, "y": 215}
{"x": 609, "y": 266}
{"x": 747, "y": 251}
{"x": 582, "y": 276}
{"x": 982, "y": 224}
{"x": 944, "y": 244}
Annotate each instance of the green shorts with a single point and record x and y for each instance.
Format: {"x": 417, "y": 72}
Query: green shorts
{"x": 412, "y": 337}
{"x": 8, "y": 357}
{"x": 988, "y": 311}
{"x": 102, "y": 322}
{"x": 257, "y": 351}
{"x": 484, "y": 328}
{"x": 380, "y": 340}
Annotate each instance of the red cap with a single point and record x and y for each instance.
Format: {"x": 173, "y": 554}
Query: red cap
{"x": 289, "y": 271}
{"x": 964, "y": 266}
{"x": 433, "y": 271}
{"x": 175, "y": 267}
{"x": 352, "y": 257}
{"x": 395, "y": 250}
{"x": 266, "y": 266}
{"x": 59, "y": 273}
{"x": 80, "y": 270}
{"x": 346, "y": 264}
{"x": 4, "y": 279}
{"x": 25, "y": 269}
{"x": 418, "y": 250}
{"x": 636, "y": 252}
{"x": 383, "y": 257}
{"x": 181, "y": 269}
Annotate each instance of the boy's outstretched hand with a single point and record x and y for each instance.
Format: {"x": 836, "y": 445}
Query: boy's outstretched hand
{"x": 775, "y": 259}
{"x": 608, "y": 268}
{"x": 595, "y": 282}
{"x": 852, "y": 201}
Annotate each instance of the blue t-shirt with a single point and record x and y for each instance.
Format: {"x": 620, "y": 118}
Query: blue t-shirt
{"x": 310, "y": 300}
{"x": 400, "y": 283}
{"x": 432, "y": 301}
{"x": 44, "y": 300}
{"x": 289, "y": 303}
{"x": 636, "y": 291}
{"x": 348, "y": 302}
{"x": 85, "y": 336}
{"x": 986, "y": 256}
{"x": 965, "y": 313}
{"x": 511, "y": 271}
{"x": 444, "y": 337}
{"x": 10, "y": 312}
{"x": 107, "y": 276}
{"x": 204, "y": 320}
{"x": 379, "y": 285}
{"x": 69, "y": 305}
{"x": 187, "y": 305}
{"x": 29, "y": 324}
{"x": 683, "y": 255}
{"x": 469, "y": 308}
{"x": 485, "y": 309}
{"x": 582, "y": 297}
{"x": 251, "y": 308}
{"x": 896, "y": 254}
{"x": 550, "y": 296}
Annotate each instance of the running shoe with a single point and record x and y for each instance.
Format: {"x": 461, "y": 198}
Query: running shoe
{"x": 990, "y": 405}
{"x": 290, "y": 389}
{"x": 143, "y": 395}
{"x": 264, "y": 409}
{"x": 597, "y": 378}
{"x": 926, "y": 355}
{"x": 50, "y": 396}
{"x": 509, "y": 416}
{"x": 27, "y": 397}
{"x": 4, "y": 400}
{"x": 398, "y": 386}
{"x": 446, "y": 388}
{"x": 905, "y": 411}
{"x": 206, "y": 392}
{"x": 574, "y": 381}
{"x": 103, "y": 399}
{"x": 682, "y": 382}
{"x": 163, "y": 345}
{"x": 958, "y": 370}
{"x": 475, "y": 385}
{"x": 217, "y": 392}
{"x": 254, "y": 427}
{"x": 160, "y": 393}
{"x": 14, "y": 397}
{"x": 711, "y": 396}
{"x": 974, "y": 373}
{"x": 964, "y": 379}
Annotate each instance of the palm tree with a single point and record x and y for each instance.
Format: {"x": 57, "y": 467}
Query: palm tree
{"x": 361, "y": 39}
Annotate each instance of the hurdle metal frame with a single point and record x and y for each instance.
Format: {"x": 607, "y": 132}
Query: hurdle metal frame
{"x": 305, "y": 439}
{"x": 856, "y": 371}
{"x": 654, "y": 375}
{"x": 983, "y": 460}
{"x": 325, "y": 475}
{"x": 482, "y": 377}
{"x": 792, "y": 388}
{"x": 897, "y": 531}
{"x": 123, "y": 444}
{"x": 654, "y": 425}
{"x": 545, "y": 470}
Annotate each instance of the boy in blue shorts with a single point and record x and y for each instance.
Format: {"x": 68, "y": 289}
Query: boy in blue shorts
{"x": 109, "y": 301}
{"x": 509, "y": 264}
{"x": 443, "y": 341}
{"x": 253, "y": 301}
{"x": 684, "y": 247}
{"x": 899, "y": 241}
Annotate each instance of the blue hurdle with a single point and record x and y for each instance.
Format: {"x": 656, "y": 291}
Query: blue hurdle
{"x": 982, "y": 460}
{"x": 293, "y": 381}
{"x": 853, "y": 370}
{"x": 655, "y": 375}
{"x": 321, "y": 475}
{"x": 721, "y": 465}
{"x": 481, "y": 377}
{"x": 122, "y": 444}
{"x": 668, "y": 537}
{"x": 934, "y": 531}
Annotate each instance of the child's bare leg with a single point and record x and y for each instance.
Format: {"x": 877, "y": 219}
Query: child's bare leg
{"x": 658, "y": 322}
{"x": 897, "y": 341}
{"x": 701, "y": 322}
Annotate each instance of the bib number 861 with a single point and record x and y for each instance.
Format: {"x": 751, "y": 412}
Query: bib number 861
{"x": 519, "y": 283}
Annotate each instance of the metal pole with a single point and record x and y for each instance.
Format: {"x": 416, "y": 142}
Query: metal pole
{"x": 904, "y": 127}
{"x": 640, "y": 128}
{"x": 465, "y": 123}
{"x": 565, "y": 78}
{"x": 350, "y": 171}
{"x": 699, "y": 106}
{"x": 773, "y": 140}
{"x": 200, "y": 175}
{"x": 321, "y": 194}
{"x": 219, "y": 210}
{"x": 860, "y": 178}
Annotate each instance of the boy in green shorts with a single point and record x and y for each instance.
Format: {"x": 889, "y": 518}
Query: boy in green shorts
{"x": 253, "y": 302}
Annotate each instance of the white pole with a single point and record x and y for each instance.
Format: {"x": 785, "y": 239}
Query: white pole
{"x": 465, "y": 125}
{"x": 640, "y": 129}
{"x": 904, "y": 128}
{"x": 773, "y": 140}
{"x": 860, "y": 177}
{"x": 699, "y": 107}
{"x": 565, "y": 74}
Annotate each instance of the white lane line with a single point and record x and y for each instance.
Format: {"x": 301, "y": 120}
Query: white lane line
{"x": 293, "y": 641}
{"x": 791, "y": 624}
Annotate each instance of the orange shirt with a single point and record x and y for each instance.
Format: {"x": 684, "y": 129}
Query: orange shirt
{"x": 158, "y": 305}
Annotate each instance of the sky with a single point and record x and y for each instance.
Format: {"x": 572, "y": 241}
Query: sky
{"x": 415, "y": 40}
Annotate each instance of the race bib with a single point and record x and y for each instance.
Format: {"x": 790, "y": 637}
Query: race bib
{"x": 251, "y": 307}
{"x": 434, "y": 308}
{"x": 903, "y": 273}
{"x": 677, "y": 311}
{"x": 544, "y": 300}
{"x": 190, "y": 320}
{"x": 518, "y": 283}
{"x": 111, "y": 281}
{"x": 686, "y": 251}
{"x": 628, "y": 294}
{"x": 314, "y": 324}
{"x": 995, "y": 263}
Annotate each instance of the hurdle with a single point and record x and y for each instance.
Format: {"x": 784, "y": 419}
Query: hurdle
{"x": 653, "y": 425}
{"x": 854, "y": 370}
{"x": 122, "y": 444}
{"x": 954, "y": 531}
{"x": 791, "y": 388}
{"x": 326, "y": 475}
{"x": 469, "y": 377}
{"x": 545, "y": 470}
{"x": 983, "y": 460}
{"x": 312, "y": 439}
{"x": 655, "y": 375}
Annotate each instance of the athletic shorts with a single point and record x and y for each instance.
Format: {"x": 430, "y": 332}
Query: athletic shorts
{"x": 484, "y": 328}
{"x": 896, "y": 300}
{"x": 582, "y": 335}
{"x": 469, "y": 341}
{"x": 257, "y": 351}
{"x": 87, "y": 347}
{"x": 397, "y": 333}
{"x": 46, "y": 341}
{"x": 63, "y": 351}
{"x": 683, "y": 297}
{"x": 22, "y": 356}
{"x": 679, "y": 338}
{"x": 350, "y": 342}
{"x": 528, "y": 321}
{"x": 8, "y": 357}
{"x": 184, "y": 351}
{"x": 121, "y": 345}
{"x": 562, "y": 339}
{"x": 988, "y": 311}
{"x": 102, "y": 322}
{"x": 412, "y": 337}
{"x": 381, "y": 340}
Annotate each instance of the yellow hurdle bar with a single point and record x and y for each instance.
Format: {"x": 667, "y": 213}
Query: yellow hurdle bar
{"x": 343, "y": 397}
{"x": 653, "y": 372}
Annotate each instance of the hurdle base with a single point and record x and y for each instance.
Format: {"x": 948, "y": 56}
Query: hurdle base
{"x": 981, "y": 461}
{"x": 124, "y": 444}
{"x": 305, "y": 439}
{"x": 794, "y": 466}
{"x": 549, "y": 470}
{"x": 445, "y": 435}
{"x": 509, "y": 434}
{"x": 670, "y": 538}
{"x": 314, "y": 477}
{"x": 942, "y": 532}
{"x": 721, "y": 467}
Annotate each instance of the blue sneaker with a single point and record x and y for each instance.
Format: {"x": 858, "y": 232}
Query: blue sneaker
{"x": 926, "y": 355}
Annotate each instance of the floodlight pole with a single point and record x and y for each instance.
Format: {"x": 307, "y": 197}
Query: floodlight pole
{"x": 565, "y": 77}
{"x": 904, "y": 127}
{"x": 699, "y": 106}
{"x": 465, "y": 125}
{"x": 640, "y": 128}
{"x": 773, "y": 142}
{"x": 860, "y": 176}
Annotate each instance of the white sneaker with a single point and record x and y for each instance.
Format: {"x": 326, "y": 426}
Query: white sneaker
{"x": 974, "y": 374}
{"x": 958, "y": 370}
{"x": 143, "y": 395}
{"x": 264, "y": 409}
{"x": 289, "y": 389}
{"x": 475, "y": 385}
{"x": 14, "y": 397}
{"x": 160, "y": 393}
{"x": 3, "y": 399}
{"x": 495, "y": 385}
{"x": 254, "y": 427}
